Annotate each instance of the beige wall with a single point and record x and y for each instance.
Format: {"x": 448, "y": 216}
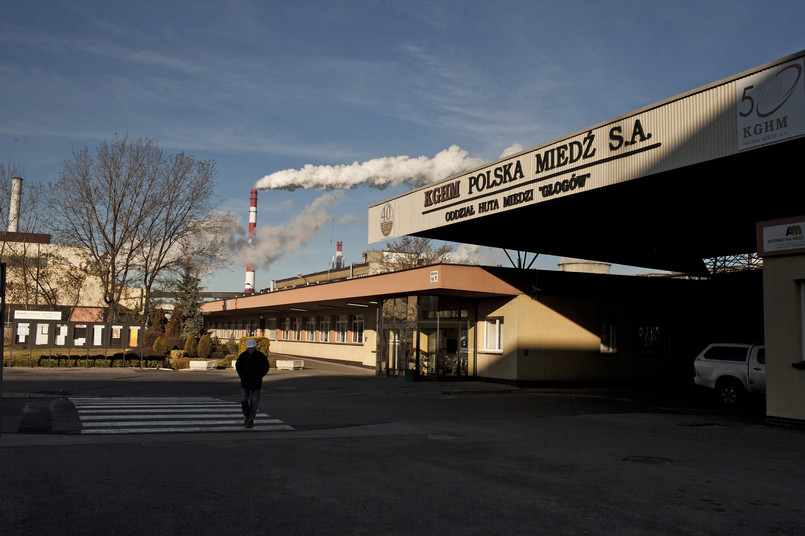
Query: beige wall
{"x": 358, "y": 353}
{"x": 63, "y": 269}
{"x": 363, "y": 354}
{"x": 558, "y": 339}
{"x": 538, "y": 343}
{"x": 495, "y": 365}
{"x": 785, "y": 385}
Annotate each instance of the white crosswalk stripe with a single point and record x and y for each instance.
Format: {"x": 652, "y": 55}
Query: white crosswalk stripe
{"x": 149, "y": 415}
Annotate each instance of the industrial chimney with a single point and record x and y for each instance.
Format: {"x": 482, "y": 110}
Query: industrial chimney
{"x": 14, "y": 207}
{"x": 339, "y": 260}
{"x": 249, "y": 287}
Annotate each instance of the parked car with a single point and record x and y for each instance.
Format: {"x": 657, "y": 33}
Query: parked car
{"x": 732, "y": 370}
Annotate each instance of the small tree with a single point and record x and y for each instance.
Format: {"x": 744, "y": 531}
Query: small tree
{"x": 158, "y": 321}
{"x": 204, "y": 348}
{"x": 190, "y": 346}
{"x": 189, "y": 289}
{"x": 160, "y": 346}
{"x": 174, "y": 328}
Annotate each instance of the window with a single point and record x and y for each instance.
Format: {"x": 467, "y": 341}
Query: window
{"x": 286, "y": 328}
{"x": 310, "y": 329}
{"x": 324, "y": 329}
{"x": 653, "y": 339}
{"x": 297, "y": 329}
{"x": 357, "y": 329}
{"x": 341, "y": 324}
{"x": 272, "y": 329}
{"x": 728, "y": 353}
{"x": 493, "y": 341}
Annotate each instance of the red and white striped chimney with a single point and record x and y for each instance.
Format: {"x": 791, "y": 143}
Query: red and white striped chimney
{"x": 338, "y": 258}
{"x": 249, "y": 287}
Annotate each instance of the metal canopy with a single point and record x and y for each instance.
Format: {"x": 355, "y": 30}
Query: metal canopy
{"x": 669, "y": 221}
{"x": 663, "y": 187}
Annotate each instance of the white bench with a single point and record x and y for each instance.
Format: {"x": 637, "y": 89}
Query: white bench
{"x": 290, "y": 364}
{"x": 202, "y": 364}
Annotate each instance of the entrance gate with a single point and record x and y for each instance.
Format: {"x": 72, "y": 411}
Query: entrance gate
{"x": 428, "y": 335}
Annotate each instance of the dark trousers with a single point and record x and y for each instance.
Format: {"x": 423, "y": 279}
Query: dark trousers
{"x": 249, "y": 400}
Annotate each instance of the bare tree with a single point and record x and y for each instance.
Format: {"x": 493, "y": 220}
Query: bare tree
{"x": 130, "y": 205}
{"x": 177, "y": 232}
{"x": 413, "y": 251}
{"x": 60, "y": 280}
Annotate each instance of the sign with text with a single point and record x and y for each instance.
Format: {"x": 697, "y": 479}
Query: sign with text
{"x": 781, "y": 238}
{"x": 767, "y": 105}
{"x": 771, "y": 105}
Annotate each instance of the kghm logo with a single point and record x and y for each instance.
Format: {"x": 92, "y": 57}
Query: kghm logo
{"x": 387, "y": 219}
{"x": 793, "y": 230}
{"x": 770, "y": 95}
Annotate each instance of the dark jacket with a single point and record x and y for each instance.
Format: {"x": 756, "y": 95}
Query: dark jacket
{"x": 251, "y": 369}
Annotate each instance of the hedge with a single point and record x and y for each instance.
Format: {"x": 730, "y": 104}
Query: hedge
{"x": 132, "y": 360}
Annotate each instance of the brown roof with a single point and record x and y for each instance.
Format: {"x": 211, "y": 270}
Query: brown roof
{"x": 441, "y": 279}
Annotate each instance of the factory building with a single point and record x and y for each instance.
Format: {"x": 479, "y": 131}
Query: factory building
{"x": 52, "y": 299}
{"x": 678, "y": 186}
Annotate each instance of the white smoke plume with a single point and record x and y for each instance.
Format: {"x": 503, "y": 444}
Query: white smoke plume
{"x": 272, "y": 242}
{"x": 269, "y": 243}
{"x": 472, "y": 254}
{"x": 377, "y": 173}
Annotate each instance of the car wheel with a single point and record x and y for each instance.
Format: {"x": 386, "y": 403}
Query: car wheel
{"x": 729, "y": 392}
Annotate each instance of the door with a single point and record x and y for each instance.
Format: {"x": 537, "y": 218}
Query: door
{"x": 757, "y": 369}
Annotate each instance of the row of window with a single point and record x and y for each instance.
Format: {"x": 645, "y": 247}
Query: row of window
{"x": 320, "y": 329}
{"x": 234, "y": 329}
{"x": 337, "y": 329}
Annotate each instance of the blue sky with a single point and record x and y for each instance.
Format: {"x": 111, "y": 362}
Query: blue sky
{"x": 265, "y": 86}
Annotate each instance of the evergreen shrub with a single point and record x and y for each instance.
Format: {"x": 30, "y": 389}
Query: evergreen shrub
{"x": 190, "y": 347}
{"x": 160, "y": 346}
{"x": 204, "y": 347}
{"x": 226, "y": 361}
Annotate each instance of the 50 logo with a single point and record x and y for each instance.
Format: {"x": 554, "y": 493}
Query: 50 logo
{"x": 771, "y": 94}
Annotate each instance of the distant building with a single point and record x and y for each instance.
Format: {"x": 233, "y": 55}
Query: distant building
{"x": 45, "y": 276}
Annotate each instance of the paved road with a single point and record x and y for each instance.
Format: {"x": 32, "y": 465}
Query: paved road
{"x": 370, "y": 455}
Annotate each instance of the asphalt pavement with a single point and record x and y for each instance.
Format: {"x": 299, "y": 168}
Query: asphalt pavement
{"x": 361, "y": 454}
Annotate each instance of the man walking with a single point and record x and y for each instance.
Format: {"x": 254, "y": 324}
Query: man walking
{"x": 251, "y": 365}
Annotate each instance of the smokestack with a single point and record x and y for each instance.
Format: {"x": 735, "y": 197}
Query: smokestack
{"x": 249, "y": 287}
{"x": 338, "y": 258}
{"x": 14, "y": 207}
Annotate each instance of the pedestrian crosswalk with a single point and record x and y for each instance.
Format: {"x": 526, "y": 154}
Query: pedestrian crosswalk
{"x": 150, "y": 415}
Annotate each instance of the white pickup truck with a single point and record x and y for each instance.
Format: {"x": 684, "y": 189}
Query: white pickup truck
{"x": 733, "y": 370}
